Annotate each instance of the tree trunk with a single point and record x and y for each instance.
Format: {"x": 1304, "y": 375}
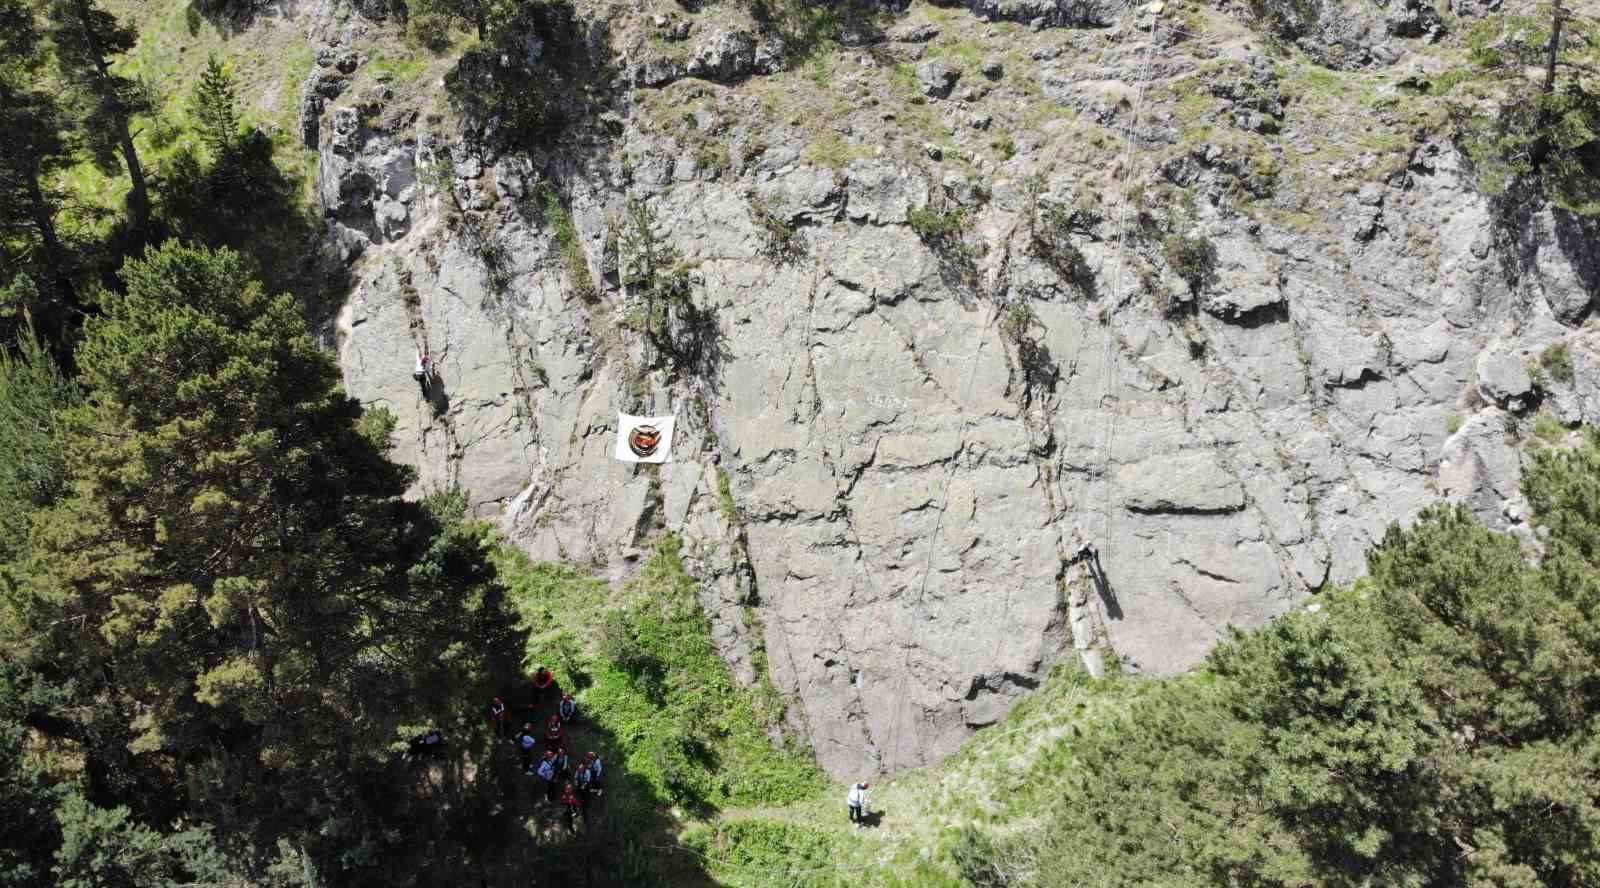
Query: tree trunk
{"x": 43, "y": 219}
{"x": 56, "y": 255}
{"x": 1553, "y": 49}
{"x": 1540, "y": 149}
{"x": 139, "y": 197}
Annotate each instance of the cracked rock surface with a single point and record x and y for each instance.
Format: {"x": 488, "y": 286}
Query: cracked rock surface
{"x": 907, "y": 479}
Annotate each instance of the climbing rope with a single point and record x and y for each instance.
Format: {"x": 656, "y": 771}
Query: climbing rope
{"x": 938, "y": 523}
{"x": 1117, "y": 295}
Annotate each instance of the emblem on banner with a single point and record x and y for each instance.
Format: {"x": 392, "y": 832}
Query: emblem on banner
{"x": 643, "y": 440}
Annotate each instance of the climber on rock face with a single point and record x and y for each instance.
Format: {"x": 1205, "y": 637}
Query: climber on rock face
{"x": 423, "y": 373}
{"x": 1086, "y": 552}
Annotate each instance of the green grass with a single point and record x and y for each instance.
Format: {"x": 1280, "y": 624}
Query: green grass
{"x": 684, "y": 730}
{"x": 994, "y": 790}
{"x": 1547, "y": 429}
{"x": 1556, "y": 361}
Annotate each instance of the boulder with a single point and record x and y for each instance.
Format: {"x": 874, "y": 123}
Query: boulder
{"x": 724, "y": 56}
{"x": 1503, "y": 378}
{"x": 936, "y": 78}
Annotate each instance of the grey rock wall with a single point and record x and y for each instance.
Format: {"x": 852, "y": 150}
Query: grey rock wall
{"x": 905, "y": 492}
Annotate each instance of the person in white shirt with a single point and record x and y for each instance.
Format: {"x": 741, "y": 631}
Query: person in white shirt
{"x": 856, "y": 801}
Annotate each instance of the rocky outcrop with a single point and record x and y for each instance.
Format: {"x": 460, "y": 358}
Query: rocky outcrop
{"x": 367, "y": 181}
{"x": 879, "y": 478}
{"x": 1349, "y": 33}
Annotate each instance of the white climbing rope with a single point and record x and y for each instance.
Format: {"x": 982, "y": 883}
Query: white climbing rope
{"x": 1117, "y": 278}
{"x": 938, "y": 521}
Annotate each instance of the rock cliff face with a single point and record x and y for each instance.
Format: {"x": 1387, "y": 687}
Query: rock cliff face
{"x": 883, "y": 465}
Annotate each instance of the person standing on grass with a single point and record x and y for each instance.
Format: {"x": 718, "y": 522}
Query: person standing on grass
{"x": 543, "y": 680}
{"x": 499, "y": 717}
{"x": 526, "y": 741}
{"x": 856, "y": 801}
{"x": 596, "y": 770}
{"x": 574, "y": 804}
{"x": 584, "y": 781}
{"x": 569, "y": 708}
{"x": 547, "y": 773}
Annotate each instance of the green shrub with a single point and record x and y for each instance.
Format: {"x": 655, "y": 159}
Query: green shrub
{"x": 1547, "y": 429}
{"x": 1556, "y": 360}
{"x": 936, "y": 227}
{"x": 781, "y": 242}
{"x": 573, "y": 260}
{"x": 1016, "y": 321}
{"x": 1191, "y": 257}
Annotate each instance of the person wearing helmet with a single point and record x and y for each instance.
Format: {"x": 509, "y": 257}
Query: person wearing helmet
{"x": 561, "y": 761}
{"x": 856, "y": 801}
{"x": 499, "y": 717}
{"x": 525, "y": 741}
{"x": 547, "y": 773}
{"x": 423, "y": 373}
{"x": 574, "y": 805}
{"x": 555, "y": 734}
{"x": 569, "y": 708}
{"x": 584, "y": 780}
{"x": 543, "y": 680}
{"x": 596, "y": 771}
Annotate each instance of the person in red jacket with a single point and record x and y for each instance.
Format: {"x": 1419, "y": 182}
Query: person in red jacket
{"x": 556, "y": 734}
{"x": 543, "y": 681}
{"x": 574, "y": 803}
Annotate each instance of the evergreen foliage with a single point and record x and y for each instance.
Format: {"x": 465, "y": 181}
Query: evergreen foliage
{"x": 244, "y": 611}
{"x": 1546, "y": 132}
{"x": 86, "y": 38}
{"x": 217, "y": 110}
{"x": 28, "y": 800}
{"x": 33, "y": 394}
{"x": 35, "y": 147}
{"x": 1433, "y": 725}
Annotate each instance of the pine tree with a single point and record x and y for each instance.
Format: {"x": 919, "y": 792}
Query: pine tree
{"x": 217, "y": 109}
{"x": 1546, "y": 131}
{"x": 234, "y": 579}
{"x": 35, "y": 146}
{"x": 86, "y": 40}
{"x": 1434, "y": 725}
{"x": 33, "y": 395}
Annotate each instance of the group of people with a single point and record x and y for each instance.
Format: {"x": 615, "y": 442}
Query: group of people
{"x": 573, "y": 785}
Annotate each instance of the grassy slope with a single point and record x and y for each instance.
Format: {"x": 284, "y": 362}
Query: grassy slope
{"x": 756, "y": 814}
{"x": 997, "y": 785}
{"x": 685, "y": 733}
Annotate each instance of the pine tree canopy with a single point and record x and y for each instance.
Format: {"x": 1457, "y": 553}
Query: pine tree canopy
{"x": 1434, "y": 725}
{"x": 232, "y": 572}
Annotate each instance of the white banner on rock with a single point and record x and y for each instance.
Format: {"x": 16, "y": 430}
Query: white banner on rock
{"x": 644, "y": 439}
